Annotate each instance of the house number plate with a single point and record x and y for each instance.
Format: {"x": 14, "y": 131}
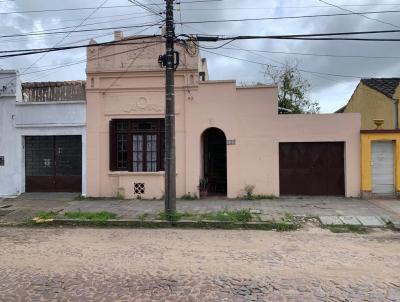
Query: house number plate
{"x": 231, "y": 142}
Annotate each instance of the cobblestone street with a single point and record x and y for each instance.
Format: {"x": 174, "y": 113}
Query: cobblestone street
{"x": 67, "y": 264}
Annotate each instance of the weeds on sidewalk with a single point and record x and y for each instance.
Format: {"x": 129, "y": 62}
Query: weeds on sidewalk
{"x": 249, "y": 194}
{"x": 346, "y": 228}
{"x": 189, "y": 196}
{"x": 43, "y": 217}
{"x": 93, "y": 216}
{"x": 242, "y": 215}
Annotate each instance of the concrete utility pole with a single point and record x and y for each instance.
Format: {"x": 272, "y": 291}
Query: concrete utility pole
{"x": 170, "y": 156}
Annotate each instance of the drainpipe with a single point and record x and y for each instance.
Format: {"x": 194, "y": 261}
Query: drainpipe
{"x": 396, "y": 113}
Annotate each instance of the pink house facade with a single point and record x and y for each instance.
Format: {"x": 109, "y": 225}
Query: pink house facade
{"x": 233, "y": 136}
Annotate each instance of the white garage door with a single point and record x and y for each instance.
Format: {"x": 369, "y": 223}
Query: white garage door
{"x": 383, "y": 167}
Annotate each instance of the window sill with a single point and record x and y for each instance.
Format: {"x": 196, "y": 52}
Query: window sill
{"x": 127, "y": 173}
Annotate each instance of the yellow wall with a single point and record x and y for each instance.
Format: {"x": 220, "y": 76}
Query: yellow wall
{"x": 372, "y": 105}
{"x": 366, "y": 158}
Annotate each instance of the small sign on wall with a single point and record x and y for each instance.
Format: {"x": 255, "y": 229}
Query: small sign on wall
{"x": 231, "y": 142}
{"x": 1, "y": 160}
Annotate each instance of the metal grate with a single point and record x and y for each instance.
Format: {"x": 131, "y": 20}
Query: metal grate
{"x": 139, "y": 188}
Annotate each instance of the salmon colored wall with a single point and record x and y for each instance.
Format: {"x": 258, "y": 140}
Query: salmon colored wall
{"x": 247, "y": 115}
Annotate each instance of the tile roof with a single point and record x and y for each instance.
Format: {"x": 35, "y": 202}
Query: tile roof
{"x": 60, "y": 91}
{"x": 53, "y": 84}
{"x": 386, "y": 86}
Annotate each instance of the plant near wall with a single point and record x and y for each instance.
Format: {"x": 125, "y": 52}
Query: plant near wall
{"x": 120, "y": 195}
{"x": 189, "y": 196}
{"x": 249, "y": 192}
{"x": 203, "y": 187}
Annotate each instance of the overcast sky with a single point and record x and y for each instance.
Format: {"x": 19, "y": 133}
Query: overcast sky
{"x": 330, "y": 91}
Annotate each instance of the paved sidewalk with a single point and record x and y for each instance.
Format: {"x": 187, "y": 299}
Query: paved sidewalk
{"x": 25, "y": 206}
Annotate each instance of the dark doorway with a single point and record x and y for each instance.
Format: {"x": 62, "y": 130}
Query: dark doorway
{"x": 53, "y": 163}
{"x": 214, "y": 160}
{"x": 311, "y": 168}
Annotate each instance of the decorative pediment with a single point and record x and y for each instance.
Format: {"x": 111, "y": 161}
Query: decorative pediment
{"x": 126, "y": 105}
{"x": 143, "y": 105}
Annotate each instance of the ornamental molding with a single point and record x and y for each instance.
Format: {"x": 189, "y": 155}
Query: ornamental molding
{"x": 142, "y": 105}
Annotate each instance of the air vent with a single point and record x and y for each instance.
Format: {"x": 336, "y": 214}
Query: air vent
{"x": 139, "y": 188}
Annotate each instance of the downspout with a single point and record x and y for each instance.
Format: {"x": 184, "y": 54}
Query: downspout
{"x": 396, "y": 113}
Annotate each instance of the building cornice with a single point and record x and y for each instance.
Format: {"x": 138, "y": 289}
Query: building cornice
{"x": 374, "y": 131}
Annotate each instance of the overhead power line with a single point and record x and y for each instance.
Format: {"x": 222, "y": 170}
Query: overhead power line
{"x": 67, "y": 64}
{"x": 17, "y": 53}
{"x": 359, "y": 14}
{"x": 285, "y": 7}
{"x": 68, "y": 34}
{"x": 289, "y": 17}
{"x": 44, "y": 72}
{"x": 146, "y": 7}
{"x": 91, "y": 8}
{"x": 314, "y": 54}
{"x": 50, "y": 10}
{"x": 318, "y": 36}
{"x": 49, "y": 32}
{"x": 55, "y": 31}
{"x": 198, "y": 38}
{"x": 264, "y": 64}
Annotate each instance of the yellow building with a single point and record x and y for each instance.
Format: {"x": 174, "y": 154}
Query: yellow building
{"x": 377, "y": 101}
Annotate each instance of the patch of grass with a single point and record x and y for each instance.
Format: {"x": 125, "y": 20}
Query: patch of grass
{"x": 242, "y": 215}
{"x": 81, "y": 197}
{"x": 175, "y": 216}
{"x": 261, "y": 197}
{"x": 358, "y": 229}
{"x": 46, "y": 215}
{"x": 43, "y": 217}
{"x": 284, "y": 226}
{"x": 288, "y": 217}
{"x": 249, "y": 194}
{"x": 93, "y": 216}
{"x": 143, "y": 216}
{"x": 120, "y": 195}
{"x": 189, "y": 196}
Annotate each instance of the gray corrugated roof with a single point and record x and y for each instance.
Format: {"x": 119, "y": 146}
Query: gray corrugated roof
{"x": 386, "y": 86}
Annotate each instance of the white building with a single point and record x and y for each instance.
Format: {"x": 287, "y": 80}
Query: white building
{"x": 42, "y": 136}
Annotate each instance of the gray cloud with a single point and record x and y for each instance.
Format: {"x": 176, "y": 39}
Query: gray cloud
{"x": 331, "y": 92}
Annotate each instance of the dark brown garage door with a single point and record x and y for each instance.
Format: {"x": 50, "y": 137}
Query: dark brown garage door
{"x": 311, "y": 168}
{"x": 53, "y": 163}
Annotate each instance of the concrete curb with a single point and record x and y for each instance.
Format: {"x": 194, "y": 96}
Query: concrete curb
{"x": 205, "y": 224}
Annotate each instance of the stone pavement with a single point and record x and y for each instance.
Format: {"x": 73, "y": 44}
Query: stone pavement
{"x": 53, "y": 264}
{"x": 368, "y": 221}
{"x": 25, "y": 206}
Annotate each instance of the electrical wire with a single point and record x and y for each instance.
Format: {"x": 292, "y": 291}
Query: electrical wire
{"x": 289, "y": 17}
{"x": 43, "y": 33}
{"x": 303, "y": 70}
{"x": 319, "y": 36}
{"x": 84, "y": 60}
{"x": 68, "y": 34}
{"x": 47, "y": 50}
{"x": 359, "y": 14}
{"x": 286, "y": 7}
{"x": 145, "y": 7}
{"x": 315, "y": 54}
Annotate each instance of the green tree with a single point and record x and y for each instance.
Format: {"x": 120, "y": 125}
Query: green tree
{"x": 292, "y": 89}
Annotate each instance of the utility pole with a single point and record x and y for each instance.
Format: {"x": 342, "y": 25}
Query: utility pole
{"x": 170, "y": 156}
